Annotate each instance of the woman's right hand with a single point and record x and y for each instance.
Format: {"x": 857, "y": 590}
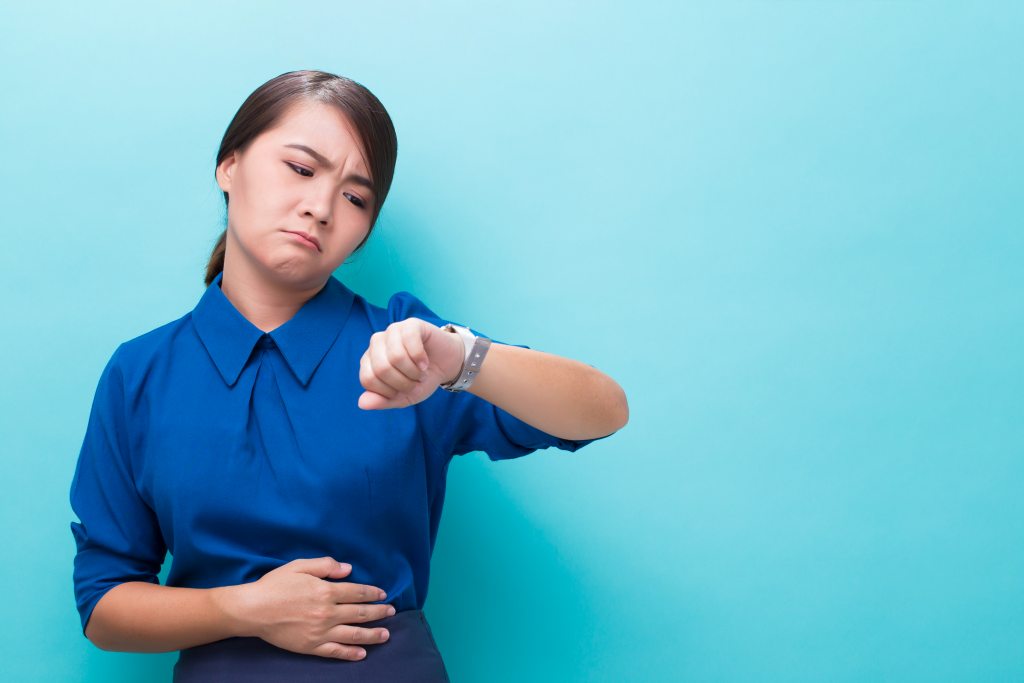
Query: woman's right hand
{"x": 293, "y": 608}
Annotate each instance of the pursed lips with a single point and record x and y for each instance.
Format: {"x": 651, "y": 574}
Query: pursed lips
{"x": 308, "y": 238}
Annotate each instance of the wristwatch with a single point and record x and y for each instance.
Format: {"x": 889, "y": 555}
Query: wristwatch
{"x": 476, "y": 350}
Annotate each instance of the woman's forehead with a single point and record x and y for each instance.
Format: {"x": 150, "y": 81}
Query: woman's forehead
{"x": 314, "y": 118}
{"x": 318, "y": 127}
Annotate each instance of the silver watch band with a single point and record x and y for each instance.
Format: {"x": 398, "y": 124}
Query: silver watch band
{"x": 476, "y": 349}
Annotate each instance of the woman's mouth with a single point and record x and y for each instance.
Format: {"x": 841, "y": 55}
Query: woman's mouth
{"x": 309, "y": 240}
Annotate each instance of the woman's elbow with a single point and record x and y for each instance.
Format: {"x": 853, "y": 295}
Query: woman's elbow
{"x": 616, "y": 410}
{"x": 620, "y": 408}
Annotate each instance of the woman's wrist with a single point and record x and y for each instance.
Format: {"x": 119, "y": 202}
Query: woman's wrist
{"x": 235, "y": 608}
{"x": 459, "y": 354}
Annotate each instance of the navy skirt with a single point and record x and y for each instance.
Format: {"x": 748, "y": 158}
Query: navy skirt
{"x": 410, "y": 654}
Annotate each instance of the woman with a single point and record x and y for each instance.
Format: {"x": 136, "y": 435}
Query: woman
{"x": 285, "y": 439}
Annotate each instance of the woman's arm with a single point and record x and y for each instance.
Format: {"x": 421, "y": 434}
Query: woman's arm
{"x": 137, "y": 616}
{"x": 560, "y": 396}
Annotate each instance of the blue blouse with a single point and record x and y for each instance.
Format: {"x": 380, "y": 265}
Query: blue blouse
{"x": 239, "y": 451}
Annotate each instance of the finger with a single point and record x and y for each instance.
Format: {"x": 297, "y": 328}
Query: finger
{"x": 412, "y": 335}
{"x": 323, "y": 567}
{"x": 368, "y": 376}
{"x": 387, "y": 369}
{"x": 360, "y": 614}
{"x": 356, "y": 592}
{"x": 400, "y": 353}
{"x": 356, "y": 635}
{"x": 338, "y": 651}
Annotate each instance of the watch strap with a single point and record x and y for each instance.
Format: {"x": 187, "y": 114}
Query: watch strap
{"x": 476, "y": 350}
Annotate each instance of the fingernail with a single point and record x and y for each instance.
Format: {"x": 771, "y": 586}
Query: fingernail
{"x": 383, "y": 595}
{"x": 345, "y": 567}
{"x": 424, "y": 366}
{"x": 391, "y": 612}
{"x": 385, "y": 635}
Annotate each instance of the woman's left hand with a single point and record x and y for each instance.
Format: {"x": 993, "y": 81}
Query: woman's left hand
{"x": 405, "y": 363}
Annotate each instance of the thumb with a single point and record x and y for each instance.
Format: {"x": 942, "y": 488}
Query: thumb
{"x": 369, "y": 400}
{"x": 323, "y": 567}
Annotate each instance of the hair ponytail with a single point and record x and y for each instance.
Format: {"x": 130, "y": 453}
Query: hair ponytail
{"x": 216, "y": 264}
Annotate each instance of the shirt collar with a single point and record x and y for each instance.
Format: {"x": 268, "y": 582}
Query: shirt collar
{"x": 304, "y": 340}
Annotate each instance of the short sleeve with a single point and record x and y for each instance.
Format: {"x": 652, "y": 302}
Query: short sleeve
{"x": 463, "y": 422}
{"x": 118, "y": 538}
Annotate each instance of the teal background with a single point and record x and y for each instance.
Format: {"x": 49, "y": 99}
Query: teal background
{"x": 793, "y": 232}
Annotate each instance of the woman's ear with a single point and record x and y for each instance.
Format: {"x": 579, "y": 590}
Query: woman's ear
{"x": 224, "y": 171}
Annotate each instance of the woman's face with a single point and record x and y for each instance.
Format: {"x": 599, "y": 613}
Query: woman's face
{"x": 277, "y": 189}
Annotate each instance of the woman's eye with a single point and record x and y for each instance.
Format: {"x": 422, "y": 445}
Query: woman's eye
{"x": 303, "y": 171}
{"x": 299, "y": 170}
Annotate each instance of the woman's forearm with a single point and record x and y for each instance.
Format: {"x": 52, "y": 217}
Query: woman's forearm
{"x": 137, "y": 616}
{"x": 561, "y": 396}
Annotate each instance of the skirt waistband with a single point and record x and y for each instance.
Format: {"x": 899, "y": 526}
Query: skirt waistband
{"x": 410, "y": 653}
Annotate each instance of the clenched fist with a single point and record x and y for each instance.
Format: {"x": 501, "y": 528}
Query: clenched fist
{"x": 406, "y": 362}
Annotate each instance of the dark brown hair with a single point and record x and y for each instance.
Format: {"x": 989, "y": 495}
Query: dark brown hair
{"x": 268, "y": 103}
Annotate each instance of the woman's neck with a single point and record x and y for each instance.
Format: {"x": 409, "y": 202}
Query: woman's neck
{"x": 265, "y": 304}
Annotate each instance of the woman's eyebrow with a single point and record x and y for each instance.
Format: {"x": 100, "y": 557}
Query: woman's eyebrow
{"x": 324, "y": 161}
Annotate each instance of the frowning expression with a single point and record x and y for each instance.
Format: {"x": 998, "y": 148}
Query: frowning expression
{"x": 300, "y": 195}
